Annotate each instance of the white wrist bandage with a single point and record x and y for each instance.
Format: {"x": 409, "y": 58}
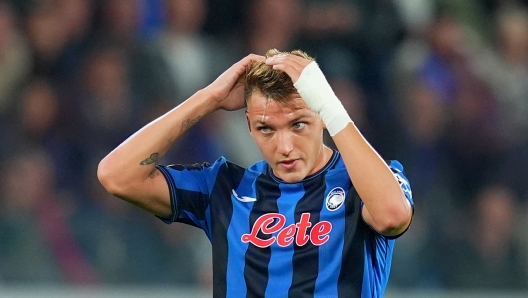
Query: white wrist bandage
{"x": 319, "y": 96}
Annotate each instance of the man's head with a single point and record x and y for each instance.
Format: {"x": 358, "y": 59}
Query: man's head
{"x": 288, "y": 133}
{"x": 273, "y": 84}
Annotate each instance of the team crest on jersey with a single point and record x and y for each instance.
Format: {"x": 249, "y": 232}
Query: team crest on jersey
{"x": 335, "y": 199}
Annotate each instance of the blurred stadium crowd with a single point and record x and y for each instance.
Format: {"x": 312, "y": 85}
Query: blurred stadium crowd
{"x": 440, "y": 85}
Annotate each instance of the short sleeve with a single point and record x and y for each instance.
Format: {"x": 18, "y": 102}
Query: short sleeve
{"x": 397, "y": 170}
{"x": 190, "y": 188}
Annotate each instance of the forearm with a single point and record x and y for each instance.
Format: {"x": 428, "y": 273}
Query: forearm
{"x": 387, "y": 209}
{"x": 135, "y": 159}
{"x": 385, "y": 206}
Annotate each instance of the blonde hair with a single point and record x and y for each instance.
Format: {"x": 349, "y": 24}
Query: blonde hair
{"x": 273, "y": 84}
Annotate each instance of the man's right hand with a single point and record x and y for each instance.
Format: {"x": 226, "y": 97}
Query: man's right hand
{"x": 228, "y": 89}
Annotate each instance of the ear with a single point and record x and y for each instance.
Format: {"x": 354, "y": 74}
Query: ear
{"x": 247, "y": 119}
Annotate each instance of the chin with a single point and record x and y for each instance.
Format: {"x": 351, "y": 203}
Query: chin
{"x": 292, "y": 177}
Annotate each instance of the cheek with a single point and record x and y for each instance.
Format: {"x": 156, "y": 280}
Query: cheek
{"x": 265, "y": 145}
{"x": 311, "y": 143}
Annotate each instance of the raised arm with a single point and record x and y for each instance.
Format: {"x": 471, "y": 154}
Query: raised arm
{"x": 129, "y": 171}
{"x": 386, "y": 208}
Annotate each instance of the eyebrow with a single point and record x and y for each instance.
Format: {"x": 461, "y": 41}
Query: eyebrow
{"x": 297, "y": 119}
{"x": 261, "y": 123}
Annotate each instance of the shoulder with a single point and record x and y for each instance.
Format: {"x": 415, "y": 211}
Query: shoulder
{"x": 395, "y": 166}
{"x": 398, "y": 171}
{"x": 197, "y": 166}
{"x": 220, "y": 168}
{"x": 202, "y": 177}
{"x": 336, "y": 164}
{"x": 260, "y": 167}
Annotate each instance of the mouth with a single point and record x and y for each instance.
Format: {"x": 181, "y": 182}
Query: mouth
{"x": 288, "y": 164}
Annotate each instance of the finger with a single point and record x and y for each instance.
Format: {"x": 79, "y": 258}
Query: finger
{"x": 293, "y": 60}
{"x": 287, "y": 60}
{"x": 298, "y": 59}
{"x": 240, "y": 66}
{"x": 293, "y": 71}
{"x": 251, "y": 58}
{"x": 255, "y": 57}
{"x": 287, "y": 68}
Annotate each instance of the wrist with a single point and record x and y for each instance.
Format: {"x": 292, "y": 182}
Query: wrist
{"x": 319, "y": 96}
{"x": 206, "y": 101}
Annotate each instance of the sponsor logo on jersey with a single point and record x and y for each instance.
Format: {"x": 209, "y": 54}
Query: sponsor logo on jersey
{"x": 335, "y": 199}
{"x": 243, "y": 199}
{"x": 300, "y": 232}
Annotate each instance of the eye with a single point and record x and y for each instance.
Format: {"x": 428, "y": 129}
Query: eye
{"x": 264, "y": 129}
{"x": 299, "y": 125}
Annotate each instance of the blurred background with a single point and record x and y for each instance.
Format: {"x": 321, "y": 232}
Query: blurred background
{"x": 441, "y": 86}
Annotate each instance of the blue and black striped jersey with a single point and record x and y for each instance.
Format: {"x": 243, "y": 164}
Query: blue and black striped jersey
{"x": 276, "y": 239}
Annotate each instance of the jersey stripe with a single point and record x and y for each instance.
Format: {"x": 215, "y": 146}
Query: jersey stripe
{"x": 329, "y": 262}
{"x": 351, "y": 276}
{"x": 240, "y": 226}
{"x": 280, "y": 265}
{"x": 257, "y": 259}
{"x": 306, "y": 258}
{"x": 378, "y": 256}
{"x": 222, "y": 210}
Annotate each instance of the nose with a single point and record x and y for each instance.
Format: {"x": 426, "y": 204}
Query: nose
{"x": 284, "y": 142}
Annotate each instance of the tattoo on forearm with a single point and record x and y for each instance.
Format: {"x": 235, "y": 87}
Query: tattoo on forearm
{"x": 150, "y": 160}
{"x": 170, "y": 141}
{"x": 190, "y": 122}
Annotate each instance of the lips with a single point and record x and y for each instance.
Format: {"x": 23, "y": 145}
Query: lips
{"x": 288, "y": 164}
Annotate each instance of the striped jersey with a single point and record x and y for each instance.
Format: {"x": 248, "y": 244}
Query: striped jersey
{"x": 276, "y": 239}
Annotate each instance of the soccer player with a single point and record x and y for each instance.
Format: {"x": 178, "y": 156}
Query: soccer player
{"x": 307, "y": 220}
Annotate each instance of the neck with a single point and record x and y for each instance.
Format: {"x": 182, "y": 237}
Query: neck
{"x": 324, "y": 156}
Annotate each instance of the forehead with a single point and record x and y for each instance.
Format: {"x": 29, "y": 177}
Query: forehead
{"x": 262, "y": 109}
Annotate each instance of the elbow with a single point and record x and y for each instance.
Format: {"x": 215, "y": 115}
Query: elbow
{"x": 108, "y": 177}
{"x": 396, "y": 220}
